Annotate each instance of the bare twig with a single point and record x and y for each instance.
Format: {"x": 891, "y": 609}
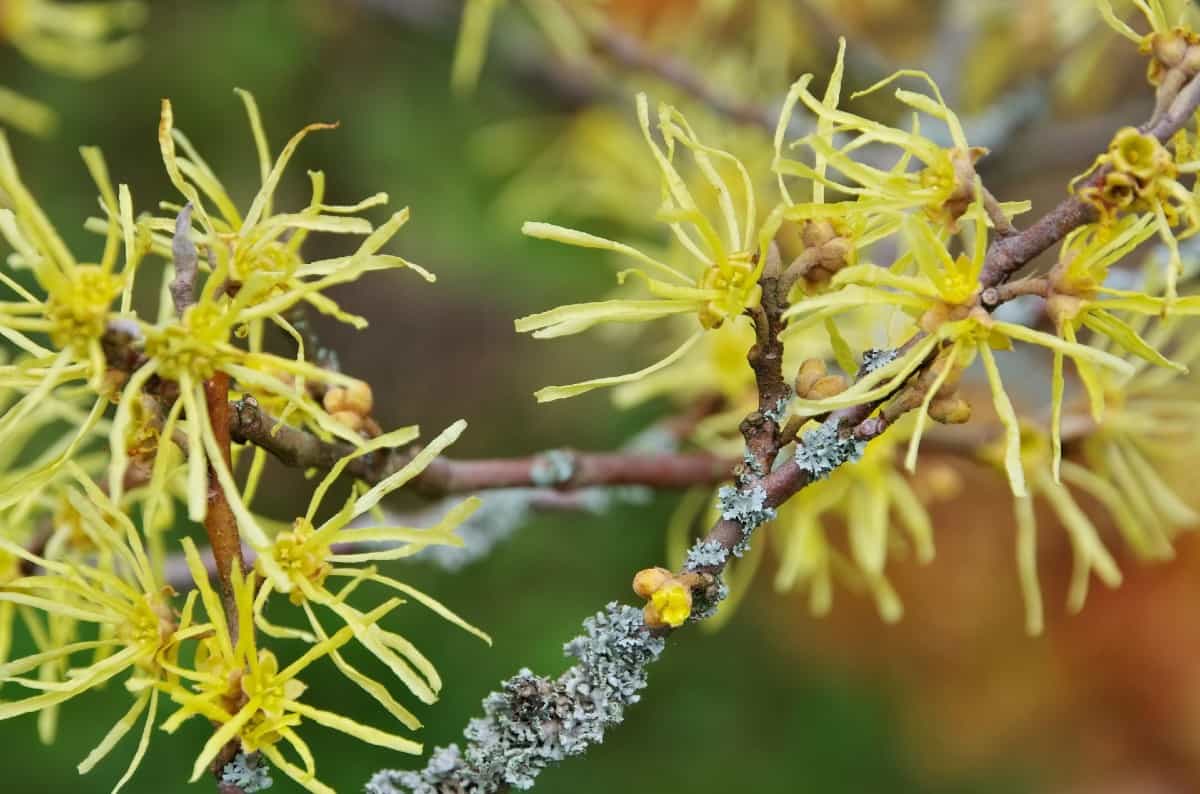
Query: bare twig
{"x": 558, "y": 469}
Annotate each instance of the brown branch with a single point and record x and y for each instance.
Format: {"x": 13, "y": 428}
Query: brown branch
{"x": 219, "y": 521}
{"x": 558, "y": 469}
{"x": 1009, "y": 254}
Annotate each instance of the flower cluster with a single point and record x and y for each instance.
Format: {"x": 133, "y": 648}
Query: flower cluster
{"x": 879, "y": 237}
{"x": 113, "y": 418}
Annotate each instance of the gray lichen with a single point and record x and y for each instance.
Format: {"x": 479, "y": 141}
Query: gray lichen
{"x": 250, "y": 773}
{"x": 822, "y": 449}
{"x": 555, "y": 467}
{"x": 779, "y": 412}
{"x": 748, "y": 507}
{"x": 706, "y": 554}
{"x": 873, "y": 359}
{"x": 752, "y": 464}
{"x": 532, "y": 722}
{"x": 705, "y": 604}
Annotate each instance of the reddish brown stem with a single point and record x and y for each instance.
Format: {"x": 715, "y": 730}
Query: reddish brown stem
{"x": 561, "y": 469}
{"x": 219, "y": 521}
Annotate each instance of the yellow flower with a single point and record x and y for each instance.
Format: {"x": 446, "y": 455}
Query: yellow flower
{"x": 252, "y": 700}
{"x": 311, "y": 555}
{"x": 122, "y": 596}
{"x": 189, "y": 351}
{"x": 255, "y": 274}
{"x": 74, "y": 313}
{"x": 1140, "y": 441}
{"x": 1142, "y": 178}
{"x": 943, "y": 307}
{"x": 260, "y": 251}
{"x": 728, "y": 255}
{"x": 943, "y": 189}
{"x": 1077, "y": 299}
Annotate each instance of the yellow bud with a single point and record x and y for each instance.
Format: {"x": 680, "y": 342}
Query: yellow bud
{"x": 790, "y": 240}
{"x": 811, "y": 371}
{"x": 648, "y": 580}
{"x": 335, "y": 400}
{"x": 950, "y": 410}
{"x": 348, "y": 418}
{"x": 826, "y": 387}
{"x": 1168, "y": 49}
{"x": 360, "y": 399}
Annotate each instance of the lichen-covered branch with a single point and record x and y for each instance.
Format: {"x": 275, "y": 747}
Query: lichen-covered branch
{"x": 532, "y": 722}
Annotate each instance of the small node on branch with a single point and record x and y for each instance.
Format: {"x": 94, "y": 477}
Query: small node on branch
{"x": 553, "y": 468}
{"x": 668, "y": 599}
{"x": 953, "y": 410}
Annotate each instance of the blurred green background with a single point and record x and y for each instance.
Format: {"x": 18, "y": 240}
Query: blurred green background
{"x": 746, "y": 709}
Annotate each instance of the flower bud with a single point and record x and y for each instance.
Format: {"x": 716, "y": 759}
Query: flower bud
{"x": 950, "y": 410}
{"x": 335, "y": 400}
{"x": 1169, "y": 49}
{"x": 360, "y": 399}
{"x": 790, "y": 240}
{"x": 818, "y": 232}
{"x": 348, "y": 418}
{"x": 649, "y": 580}
{"x": 826, "y": 387}
{"x": 811, "y": 371}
